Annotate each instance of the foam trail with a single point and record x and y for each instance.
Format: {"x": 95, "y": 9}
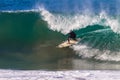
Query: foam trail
{"x": 88, "y": 52}
{"x": 65, "y": 23}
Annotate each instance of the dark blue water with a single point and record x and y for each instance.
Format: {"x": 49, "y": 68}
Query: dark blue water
{"x": 17, "y": 4}
{"x": 95, "y": 6}
{"x": 81, "y": 5}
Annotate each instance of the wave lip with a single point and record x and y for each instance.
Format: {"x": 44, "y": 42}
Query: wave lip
{"x": 67, "y": 22}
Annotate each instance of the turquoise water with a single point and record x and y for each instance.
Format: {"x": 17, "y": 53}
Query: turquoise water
{"x": 27, "y": 43}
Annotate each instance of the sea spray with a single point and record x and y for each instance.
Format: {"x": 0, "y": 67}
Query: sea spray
{"x": 65, "y": 23}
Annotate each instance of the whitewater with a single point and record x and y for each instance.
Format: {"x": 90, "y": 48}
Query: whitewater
{"x": 67, "y": 22}
{"x": 58, "y": 75}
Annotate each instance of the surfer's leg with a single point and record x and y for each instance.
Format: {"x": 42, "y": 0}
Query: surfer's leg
{"x": 68, "y": 40}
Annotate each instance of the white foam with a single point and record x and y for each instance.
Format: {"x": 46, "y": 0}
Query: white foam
{"x": 88, "y": 52}
{"x": 67, "y": 22}
{"x": 59, "y": 75}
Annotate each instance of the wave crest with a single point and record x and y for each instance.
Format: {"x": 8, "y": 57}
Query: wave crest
{"x": 66, "y": 22}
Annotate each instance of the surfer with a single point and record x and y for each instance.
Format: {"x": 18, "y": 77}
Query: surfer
{"x": 70, "y": 41}
{"x": 71, "y": 36}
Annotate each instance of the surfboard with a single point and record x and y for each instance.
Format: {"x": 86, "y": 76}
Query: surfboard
{"x": 66, "y": 44}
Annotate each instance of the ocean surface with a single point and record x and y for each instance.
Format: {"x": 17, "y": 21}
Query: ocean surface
{"x": 30, "y": 31}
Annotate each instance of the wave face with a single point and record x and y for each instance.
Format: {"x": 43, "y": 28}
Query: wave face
{"x": 26, "y": 42}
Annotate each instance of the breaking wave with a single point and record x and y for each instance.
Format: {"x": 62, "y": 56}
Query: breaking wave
{"x": 99, "y": 33}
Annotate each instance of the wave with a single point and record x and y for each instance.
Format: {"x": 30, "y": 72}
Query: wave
{"x": 99, "y": 33}
{"x": 29, "y": 35}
